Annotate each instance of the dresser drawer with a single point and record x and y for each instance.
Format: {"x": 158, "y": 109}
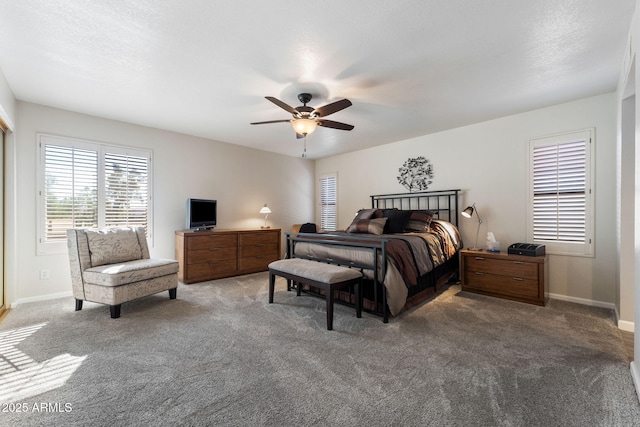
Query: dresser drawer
{"x": 247, "y": 239}
{"x": 212, "y": 241}
{"x": 211, "y": 254}
{"x": 257, "y": 263}
{"x": 502, "y": 285}
{"x": 258, "y": 249}
{"x": 211, "y": 269}
{"x": 521, "y": 269}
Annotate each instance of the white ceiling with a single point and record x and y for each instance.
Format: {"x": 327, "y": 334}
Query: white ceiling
{"x": 203, "y": 67}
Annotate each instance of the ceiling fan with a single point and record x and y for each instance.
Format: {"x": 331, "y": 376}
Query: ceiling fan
{"x": 305, "y": 119}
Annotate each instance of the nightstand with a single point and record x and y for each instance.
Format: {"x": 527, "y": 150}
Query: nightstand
{"x": 514, "y": 277}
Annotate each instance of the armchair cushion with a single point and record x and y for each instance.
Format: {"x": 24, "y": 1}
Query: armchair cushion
{"x": 130, "y": 271}
{"x": 114, "y": 245}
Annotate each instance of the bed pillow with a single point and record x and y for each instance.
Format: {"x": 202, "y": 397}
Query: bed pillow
{"x": 419, "y": 221}
{"x": 369, "y": 226}
{"x": 397, "y": 220}
{"x": 365, "y": 214}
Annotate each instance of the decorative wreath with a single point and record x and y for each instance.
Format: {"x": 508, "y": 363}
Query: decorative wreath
{"x": 416, "y": 174}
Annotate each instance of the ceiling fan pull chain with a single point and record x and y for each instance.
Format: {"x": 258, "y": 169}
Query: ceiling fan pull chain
{"x": 304, "y": 153}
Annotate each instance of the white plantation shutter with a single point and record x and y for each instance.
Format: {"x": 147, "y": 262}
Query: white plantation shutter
{"x": 560, "y": 193}
{"x": 328, "y": 202}
{"x": 87, "y": 185}
{"x": 126, "y": 190}
{"x": 71, "y": 190}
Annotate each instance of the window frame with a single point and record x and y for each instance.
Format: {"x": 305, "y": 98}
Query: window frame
{"x": 45, "y": 247}
{"x": 322, "y": 178}
{"x": 564, "y": 247}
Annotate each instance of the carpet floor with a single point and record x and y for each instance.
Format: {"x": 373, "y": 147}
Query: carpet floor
{"x": 221, "y": 355}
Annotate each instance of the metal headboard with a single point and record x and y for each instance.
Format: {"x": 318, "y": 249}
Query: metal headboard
{"x": 444, "y": 204}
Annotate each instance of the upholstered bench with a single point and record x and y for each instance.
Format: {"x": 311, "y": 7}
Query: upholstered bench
{"x": 327, "y": 277}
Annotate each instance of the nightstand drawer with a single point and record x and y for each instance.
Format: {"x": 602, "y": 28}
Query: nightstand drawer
{"x": 504, "y": 285}
{"x": 513, "y": 268}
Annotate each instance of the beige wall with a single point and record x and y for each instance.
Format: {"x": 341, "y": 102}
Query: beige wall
{"x": 488, "y": 161}
{"x": 240, "y": 178}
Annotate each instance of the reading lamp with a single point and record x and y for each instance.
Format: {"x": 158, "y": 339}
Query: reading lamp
{"x": 265, "y": 210}
{"x": 468, "y": 213}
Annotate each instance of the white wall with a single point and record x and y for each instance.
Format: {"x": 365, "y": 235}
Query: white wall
{"x": 240, "y": 178}
{"x": 489, "y": 162}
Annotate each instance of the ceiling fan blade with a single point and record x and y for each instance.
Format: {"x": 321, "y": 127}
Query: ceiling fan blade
{"x": 334, "y": 125}
{"x": 270, "y": 121}
{"x": 282, "y": 105}
{"x": 332, "y": 108}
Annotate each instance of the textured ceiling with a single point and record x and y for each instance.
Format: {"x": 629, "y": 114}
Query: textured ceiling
{"x": 203, "y": 67}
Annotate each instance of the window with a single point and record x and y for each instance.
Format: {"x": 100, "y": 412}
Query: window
{"x": 328, "y": 202}
{"x": 86, "y": 184}
{"x": 560, "y": 195}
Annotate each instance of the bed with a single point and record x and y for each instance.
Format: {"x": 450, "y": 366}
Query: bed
{"x": 410, "y": 240}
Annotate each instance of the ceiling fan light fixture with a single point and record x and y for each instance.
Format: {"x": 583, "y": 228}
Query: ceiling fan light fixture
{"x": 304, "y": 126}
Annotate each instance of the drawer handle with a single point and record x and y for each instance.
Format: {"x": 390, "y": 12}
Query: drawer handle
{"x": 479, "y": 258}
{"x": 213, "y": 262}
{"x": 518, "y": 262}
{"x": 518, "y": 279}
{"x": 259, "y": 245}
{"x": 479, "y": 274}
{"x": 214, "y": 249}
{"x": 211, "y": 236}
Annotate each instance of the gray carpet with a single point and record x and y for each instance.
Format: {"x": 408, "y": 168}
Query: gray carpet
{"x": 221, "y": 355}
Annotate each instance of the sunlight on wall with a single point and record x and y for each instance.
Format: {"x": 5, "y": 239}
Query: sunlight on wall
{"x": 21, "y": 376}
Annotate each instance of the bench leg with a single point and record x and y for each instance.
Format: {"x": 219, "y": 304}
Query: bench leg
{"x": 358, "y": 287}
{"x": 78, "y": 304}
{"x": 298, "y": 288}
{"x": 272, "y": 284}
{"x": 115, "y": 311}
{"x": 173, "y": 293}
{"x": 329, "y": 293}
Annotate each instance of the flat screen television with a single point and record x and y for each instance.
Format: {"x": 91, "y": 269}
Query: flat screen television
{"x": 201, "y": 214}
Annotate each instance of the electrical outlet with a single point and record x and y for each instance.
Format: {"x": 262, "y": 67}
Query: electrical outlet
{"x": 44, "y": 274}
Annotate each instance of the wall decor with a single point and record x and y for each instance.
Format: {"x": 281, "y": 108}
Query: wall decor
{"x": 416, "y": 174}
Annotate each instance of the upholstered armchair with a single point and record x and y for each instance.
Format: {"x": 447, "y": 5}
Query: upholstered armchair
{"x": 112, "y": 266}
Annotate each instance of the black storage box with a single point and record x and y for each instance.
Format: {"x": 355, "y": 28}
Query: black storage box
{"x": 526, "y": 249}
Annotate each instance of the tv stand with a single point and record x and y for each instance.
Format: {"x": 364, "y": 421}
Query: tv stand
{"x": 208, "y": 255}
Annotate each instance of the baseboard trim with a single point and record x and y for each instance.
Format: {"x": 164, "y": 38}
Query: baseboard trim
{"x": 626, "y": 326}
{"x": 622, "y": 324}
{"x": 635, "y": 375}
{"x": 41, "y": 298}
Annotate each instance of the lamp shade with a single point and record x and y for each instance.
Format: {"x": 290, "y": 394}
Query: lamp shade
{"x": 304, "y": 126}
{"x": 468, "y": 212}
{"x": 265, "y": 209}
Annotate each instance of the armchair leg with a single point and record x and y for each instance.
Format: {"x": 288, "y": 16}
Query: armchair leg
{"x": 115, "y": 311}
{"x": 78, "y": 304}
{"x": 172, "y": 293}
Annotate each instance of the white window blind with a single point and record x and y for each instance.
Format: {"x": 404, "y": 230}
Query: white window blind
{"x": 88, "y": 185}
{"x": 561, "y": 193}
{"x": 328, "y": 202}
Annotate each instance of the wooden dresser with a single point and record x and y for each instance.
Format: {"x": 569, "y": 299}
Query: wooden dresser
{"x": 208, "y": 255}
{"x": 515, "y": 277}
